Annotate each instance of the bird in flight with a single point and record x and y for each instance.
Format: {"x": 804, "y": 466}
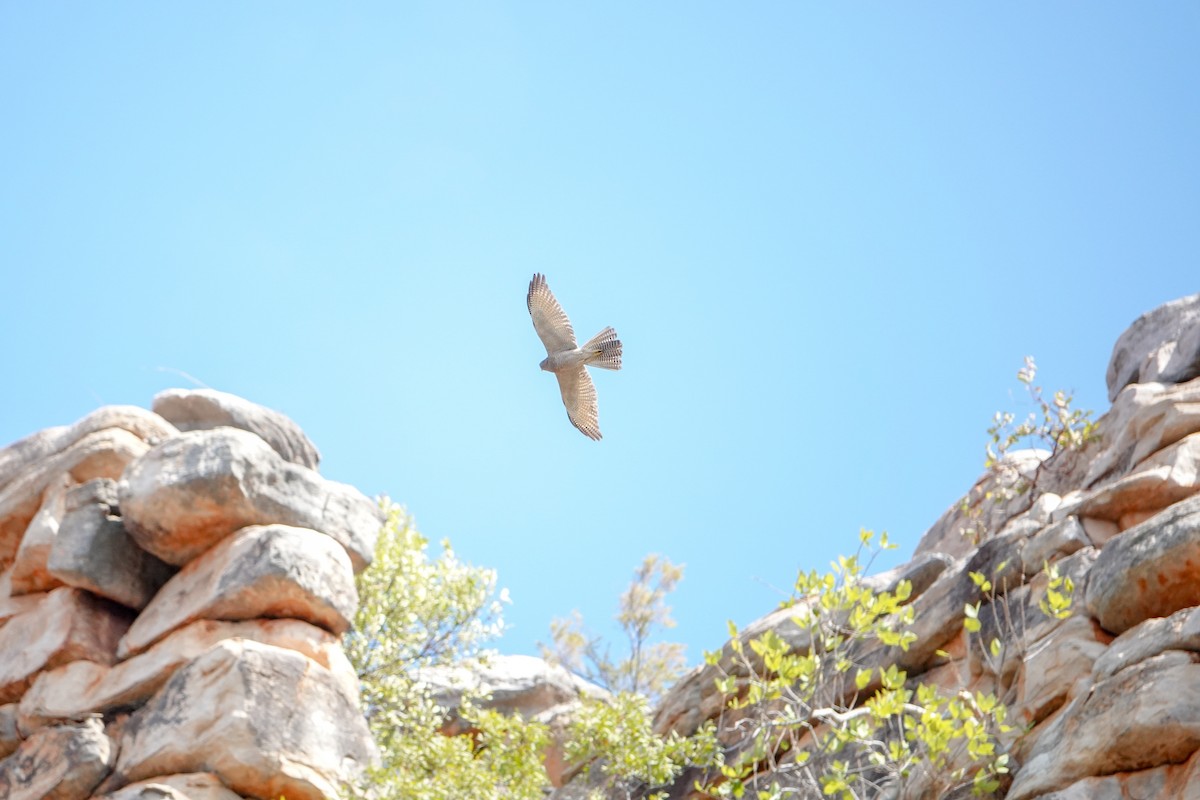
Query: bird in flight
{"x": 567, "y": 360}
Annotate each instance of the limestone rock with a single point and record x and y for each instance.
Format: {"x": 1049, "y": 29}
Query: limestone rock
{"x": 1142, "y": 717}
{"x": 67, "y": 624}
{"x": 192, "y": 786}
{"x": 1161, "y": 346}
{"x": 102, "y": 454}
{"x": 84, "y": 687}
{"x": 63, "y": 763}
{"x": 262, "y": 571}
{"x": 204, "y": 409}
{"x": 265, "y": 720}
{"x": 1151, "y": 570}
{"x": 191, "y": 491}
{"x": 29, "y": 573}
{"x": 22, "y": 455}
{"x": 92, "y": 550}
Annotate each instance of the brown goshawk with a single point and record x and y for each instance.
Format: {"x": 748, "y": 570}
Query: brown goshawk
{"x": 567, "y": 360}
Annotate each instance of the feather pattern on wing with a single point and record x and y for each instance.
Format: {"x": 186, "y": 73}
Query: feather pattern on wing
{"x": 549, "y": 320}
{"x": 579, "y": 396}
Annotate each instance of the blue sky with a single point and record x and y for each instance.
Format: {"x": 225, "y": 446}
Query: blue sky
{"x": 826, "y": 233}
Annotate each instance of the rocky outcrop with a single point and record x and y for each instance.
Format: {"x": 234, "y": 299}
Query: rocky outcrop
{"x": 172, "y": 593}
{"x": 1105, "y": 703}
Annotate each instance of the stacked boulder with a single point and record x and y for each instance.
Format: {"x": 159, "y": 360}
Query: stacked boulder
{"x": 1106, "y": 702}
{"x": 173, "y": 588}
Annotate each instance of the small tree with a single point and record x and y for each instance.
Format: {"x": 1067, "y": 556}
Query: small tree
{"x": 417, "y": 612}
{"x": 649, "y": 667}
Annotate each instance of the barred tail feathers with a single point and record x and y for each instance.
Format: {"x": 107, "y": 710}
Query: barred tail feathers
{"x": 604, "y": 350}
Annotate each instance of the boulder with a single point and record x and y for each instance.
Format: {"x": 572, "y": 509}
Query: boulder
{"x": 267, "y": 721}
{"x": 62, "y": 763}
{"x": 93, "y": 551}
{"x": 1052, "y": 542}
{"x": 1055, "y": 665}
{"x": 262, "y": 571}
{"x": 66, "y": 625}
{"x": 191, "y": 786}
{"x": 103, "y": 454}
{"x": 84, "y": 687}
{"x": 23, "y": 455}
{"x": 1165, "y": 478}
{"x": 204, "y": 409}
{"x": 1142, "y": 717}
{"x": 523, "y": 685}
{"x": 192, "y": 491}
{"x": 1150, "y": 570}
{"x": 1172, "y": 782}
{"x": 29, "y": 573}
{"x": 1161, "y": 346}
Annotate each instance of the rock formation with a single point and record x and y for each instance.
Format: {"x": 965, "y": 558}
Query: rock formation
{"x": 173, "y": 588}
{"x": 1107, "y": 701}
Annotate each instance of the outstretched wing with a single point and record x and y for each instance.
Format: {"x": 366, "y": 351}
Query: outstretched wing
{"x": 549, "y": 320}
{"x": 579, "y": 396}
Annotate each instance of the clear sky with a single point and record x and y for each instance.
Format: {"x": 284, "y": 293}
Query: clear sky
{"x": 826, "y": 233}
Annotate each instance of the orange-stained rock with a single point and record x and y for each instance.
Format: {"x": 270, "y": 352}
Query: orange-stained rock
{"x": 66, "y": 625}
{"x": 83, "y": 687}
{"x": 103, "y": 454}
{"x": 1142, "y": 717}
{"x": 61, "y": 763}
{"x": 1055, "y": 665}
{"x": 261, "y": 571}
{"x": 1150, "y": 570}
{"x": 267, "y": 721}
{"x": 197, "y": 488}
{"x": 29, "y": 573}
{"x": 10, "y": 606}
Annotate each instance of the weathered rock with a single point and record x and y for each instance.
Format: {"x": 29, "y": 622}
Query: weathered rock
{"x": 191, "y": 786}
{"x": 29, "y": 572}
{"x": 84, "y": 687}
{"x": 522, "y": 685}
{"x": 11, "y": 606}
{"x": 1055, "y": 665}
{"x": 1173, "y": 782}
{"x": 1145, "y": 418}
{"x": 63, "y": 763}
{"x": 93, "y": 551}
{"x": 1166, "y": 477}
{"x": 205, "y": 409}
{"x": 1052, "y": 542}
{"x": 267, "y": 721}
{"x": 1161, "y": 346}
{"x": 1142, "y": 717}
{"x": 262, "y": 571}
{"x": 957, "y": 533}
{"x": 66, "y": 625}
{"x": 102, "y": 454}
{"x": 191, "y": 491}
{"x": 1180, "y": 631}
{"x": 21, "y": 456}
{"x": 1151, "y": 570}
{"x": 10, "y": 735}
